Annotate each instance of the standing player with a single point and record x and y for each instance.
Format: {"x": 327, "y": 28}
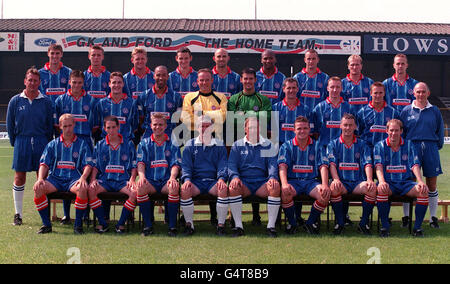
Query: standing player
{"x": 54, "y": 75}
{"x": 65, "y": 166}
{"x": 184, "y": 79}
{"x": 269, "y": 80}
{"x": 120, "y": 105}
{"x": 424, "y": 126}
{"x": 159, "y": 99}
{"x": 253, "y": 170}
{"x": 400, "y": 87}
{"x": 114, "y": 171}
{"x": 204, "y": 171}
{"x": 327, "y": 114}
{"x": 29, "y": 122}
{"x": 352, "y": 172}
{"x": 226, "y": 81}
{"x": 356, "y": 86}
{"x": 396, "y": 162}
{"x": 373, "y": 117}
{"x": 312, "y": 81}
{"x": 159, "y": 164}
{"x": 140, "y": 78}
{"x": 96, "y": 77}
{"x": 300, "y": 162}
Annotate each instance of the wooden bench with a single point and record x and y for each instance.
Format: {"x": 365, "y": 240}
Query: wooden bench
{"x": 444, "y": 212}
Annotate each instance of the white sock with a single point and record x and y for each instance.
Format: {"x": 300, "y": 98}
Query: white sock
{"x": 433, "y": 198}
{"x": 222, "y": 209}
{"x": 18, "y": 192}
{"x": 273, "y": 205}
{"x": 406, "y": 209}
{"x": 187, "y": 206}
{"x": 235, "y": 203}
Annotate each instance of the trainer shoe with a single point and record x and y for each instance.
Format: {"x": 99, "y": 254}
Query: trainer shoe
{"x": 17, "y": 220}
{"x": 220, "y": 230}
{"x": 434, "y": 223}
{"x": 172, "y": 232}
{"x": 291, "y": 230}
{"x": 65, "y": 221}
{"x": 237, "y": 232}
{"x": 364, "y": 229}
{"x": 147, "y": 231}
{"x": 384, "y": 233}
{"x": 101, "y": 230}
{"x": 119, "y": 230}
{"x": 418, "y": 233}
{"x": 347, "y": 221}
{"x": 338, "y": 229}
{"x": 271, "y": 232}
{"x": 78, "y": 230}
{"x": 188, "y": 230}
{"x": 45, "y": 230}
{"x": 405, "y": 222}
{"x": 311, "y": 229}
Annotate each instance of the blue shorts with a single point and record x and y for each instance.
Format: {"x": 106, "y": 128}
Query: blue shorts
{"x": 62, "y": 185}
{"x": 254, "y": 185}
{"x": 350, "y": 185}
{"x": 112, "y": 185}
{"x": 428, "y": 154}
{"x": 158, "y": 185}
{"x": 204, "y": 185}
{"x": 401, "y": 187}
{"x": 28, "y": 152}
{"x": 303, "y": 186}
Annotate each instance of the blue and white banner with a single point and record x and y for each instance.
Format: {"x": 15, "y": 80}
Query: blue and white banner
{"x": 158, "y": 42}
{"x": 414, "y": 45}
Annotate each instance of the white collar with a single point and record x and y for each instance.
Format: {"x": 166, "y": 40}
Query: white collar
{"x": 427, "y": 106}
{"x": 40, "y": 95}
{"x": 262, "y": 141}
{"x": 213, "y": 141}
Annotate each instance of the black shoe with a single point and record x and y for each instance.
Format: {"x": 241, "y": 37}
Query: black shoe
{"x": 434, "y": 223}
{"x": 17, "y": 220}
{"x": 188, "y": 230}
{"x": 147, "y": 231}
{"x": 237, "y": 232}
{"x": 291, "y": 230}
{"x": 271, "y": 232}
{"x": 65, "y": 221}
{"x": 347, "y": 221}
{"x": 119, "y": 230}
{"x": 365, "y": 230}
{"x": 78, "y": 230}
{"x": 45, "y": 230}
{"x": 338, "y": 229}
{"x": 405, "y": 222}
{"x": 418, "y": 233}
{"x": 311, "y": 229}
{"x": 220, "y": 231}
{"x": 256, "y": 221}
{"x": 384, "y": 233}
{"x": 172, "y": 232}
{"x": 102, "y": 230}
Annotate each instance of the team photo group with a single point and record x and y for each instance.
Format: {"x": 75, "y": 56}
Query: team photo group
{"x": 185, "y": 133}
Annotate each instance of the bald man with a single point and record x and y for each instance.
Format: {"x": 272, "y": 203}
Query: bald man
{"x": 226, "y": 81}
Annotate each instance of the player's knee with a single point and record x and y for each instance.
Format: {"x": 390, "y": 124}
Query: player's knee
{"x": 274, "y": 191}
{"x": 235, "y": 191}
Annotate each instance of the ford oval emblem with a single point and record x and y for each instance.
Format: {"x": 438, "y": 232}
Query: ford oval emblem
{"x": 44, "y": 42}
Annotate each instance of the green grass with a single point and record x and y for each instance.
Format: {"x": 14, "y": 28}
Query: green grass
{"x": 23, "y": 245}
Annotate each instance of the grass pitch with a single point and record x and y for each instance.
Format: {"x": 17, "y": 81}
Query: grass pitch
{"x": 23, "y": 245}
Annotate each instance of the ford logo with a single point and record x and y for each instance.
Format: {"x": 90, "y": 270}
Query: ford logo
{"x": 44, "y": 42}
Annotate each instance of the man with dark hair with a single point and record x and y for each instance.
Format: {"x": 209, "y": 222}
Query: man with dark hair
{"x": 269, "y": 80}
{"x": 184, "y": 79}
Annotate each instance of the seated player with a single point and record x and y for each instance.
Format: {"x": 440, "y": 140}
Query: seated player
{"x": 299, "y": 161}
{"x": 66, "y": 161}
{"x": 396, "y": 163}
{"x": 114, "y": 171}
{"x": 351, "y": 169}
{"x": 158, "y": 162}
{"x": 204, "y": 171}
{"x": 253, "y": 170}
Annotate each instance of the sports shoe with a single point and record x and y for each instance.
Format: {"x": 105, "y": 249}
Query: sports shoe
{"x": 45, "y": 230}
{"x": 418, "y": 233}
{"x": 384, "y": 233}
{"x": 365, "y": 230}
{"x": 338, "y": 229}
{"x": 172, "y": 232}
{"x": 311, "y": 229}
{"x": 434, "y": 223}
{"x": 271, "y": 232}
{"x": 237, "y": 232}
{"x": 405, "y": 222}
{"x": 65, "y": 221}
{"x": 220, "y": 230}
{"x": 78, "y": 230}
{"x": 291, "y": 230}
{"x": 102, "y": 230}
{"x": 17, "y": 220}
{"x": 147, "y": 231}
{"x": 119, "y": 230}
{"x": 188, "y": 230}
{"x": 347, "y": 221}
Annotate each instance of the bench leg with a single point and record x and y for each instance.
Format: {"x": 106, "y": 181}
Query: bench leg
{"x": 411, "y": 217}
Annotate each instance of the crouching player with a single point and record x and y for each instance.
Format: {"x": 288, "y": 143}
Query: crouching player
{"x": 351, "y": 169}
{"x": 204, "y": 171}
{"x": 396, "y": 162}
{"x": 300, "y": 160}
{"x": 114, "y": 171}
{"x": 253, "y": 170}
{"x": 66, "y": 160}
{"x": 158, "y": 162}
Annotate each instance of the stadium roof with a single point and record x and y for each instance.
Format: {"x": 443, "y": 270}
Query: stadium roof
{"x": 219, "y": 26}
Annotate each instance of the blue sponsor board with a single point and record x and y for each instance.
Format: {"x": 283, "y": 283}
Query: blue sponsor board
{"x": 415, "y": 45}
